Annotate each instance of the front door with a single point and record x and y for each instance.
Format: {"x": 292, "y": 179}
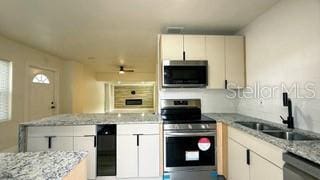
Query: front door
{"x": 42, "y": 93}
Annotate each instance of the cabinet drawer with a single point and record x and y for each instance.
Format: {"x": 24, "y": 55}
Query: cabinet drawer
{"x": 50, "y": 131}
{"x": 138, "y": 129}
{"x": 85, "y": 130}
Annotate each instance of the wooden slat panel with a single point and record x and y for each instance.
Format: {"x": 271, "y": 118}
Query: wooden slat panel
{"x": 121, "y": 93}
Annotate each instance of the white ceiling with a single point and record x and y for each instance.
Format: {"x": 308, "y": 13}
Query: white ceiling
{"x": 118, "y": 31}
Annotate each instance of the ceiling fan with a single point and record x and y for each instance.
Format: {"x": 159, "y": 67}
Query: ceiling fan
{"x": 123, "y": 70}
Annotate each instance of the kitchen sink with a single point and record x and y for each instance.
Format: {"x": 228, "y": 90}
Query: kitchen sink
{"x": 291, "y": 136}
{"x": 259, "y": 126}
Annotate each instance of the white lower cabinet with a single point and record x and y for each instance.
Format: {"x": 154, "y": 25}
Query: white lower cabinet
{"x": 85, "y": 140}
{"x": 52, "y": 143}
{"x": 65, "y": 138}
{"x": 149, "y": 156}
{"x": 261, "y": 169}
{"x": 238, "y": 168}
{"x": 250, "y": 158}
{"x": 35, "y": 144}
{"x": 127, "y": 156}
{"x": 138, "y": 153}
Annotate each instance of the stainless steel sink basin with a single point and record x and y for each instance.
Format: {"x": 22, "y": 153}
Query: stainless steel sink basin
{"x": 259, "y": 126}
{"x": 291, "y": 136}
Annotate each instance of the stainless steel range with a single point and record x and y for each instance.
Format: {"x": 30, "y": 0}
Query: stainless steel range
{"x": 189, "y": 141}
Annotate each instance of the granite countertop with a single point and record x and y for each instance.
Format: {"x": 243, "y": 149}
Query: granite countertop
{"x": 93, "y": 119}
{"x": 307, "y": 149}
{"x": 38, "y": 165}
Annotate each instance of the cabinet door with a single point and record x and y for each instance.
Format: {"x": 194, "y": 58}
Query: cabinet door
{"x": 235, "y": 61}
{"x": 127, "y": 156}
{"x": 35, "y": 144}
{"x": 216, "y": 62}
{"x": 195, "y": 47}
{"x": 262, "y": 169}
{"x": 238, "y": 169}
{"x": 149, "y": 156}
{"x": 62, "y": 144}
{"x": 171, "y": 47}
{"x": 87, "y": 144}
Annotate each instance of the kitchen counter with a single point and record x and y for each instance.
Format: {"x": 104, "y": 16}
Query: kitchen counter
{"x": 307, "y": 149}
{"x": 38, "y": 165}
{"x": 94, "y": 119}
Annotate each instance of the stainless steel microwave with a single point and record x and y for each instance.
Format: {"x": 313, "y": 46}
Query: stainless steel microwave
{"x": 185, "y": 74}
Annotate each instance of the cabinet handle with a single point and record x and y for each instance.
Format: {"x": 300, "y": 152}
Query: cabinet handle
{"x": 184, "y": 55}
{"x": 226, "y": 84}
{"x": 138, "y": 139}
{"x": 248, "y": 156}
{"x": 50, "y": 141}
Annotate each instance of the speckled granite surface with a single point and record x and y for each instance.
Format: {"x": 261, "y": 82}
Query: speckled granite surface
{"x": 38, "y": 165}
{"x": 92, "y": 119}
{"x": 307, "y": 149}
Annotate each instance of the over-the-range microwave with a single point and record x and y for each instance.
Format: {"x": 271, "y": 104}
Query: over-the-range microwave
{"x": 185, "y": 74}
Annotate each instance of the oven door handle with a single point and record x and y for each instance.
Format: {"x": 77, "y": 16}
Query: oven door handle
{"x": 186, "y": 134}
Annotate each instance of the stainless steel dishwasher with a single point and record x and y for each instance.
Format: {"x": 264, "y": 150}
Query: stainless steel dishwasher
{"x": 298, "y": 168}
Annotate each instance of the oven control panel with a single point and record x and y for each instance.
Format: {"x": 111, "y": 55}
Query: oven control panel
{"x": 200, "y": 126}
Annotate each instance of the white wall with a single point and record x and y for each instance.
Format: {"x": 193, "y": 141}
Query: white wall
{"x": 212, "y": 101}
{"x": 21, "y": 57}
{"x": 94, "y": 93}
{"x": 283, "y": 45}
{"x": 82, "y": 93}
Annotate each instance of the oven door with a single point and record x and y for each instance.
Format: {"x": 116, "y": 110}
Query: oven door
{"x": 185, "y": 74}
{"x": 186, "y": 151}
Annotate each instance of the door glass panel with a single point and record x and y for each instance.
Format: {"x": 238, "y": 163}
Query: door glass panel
{"x": 41, "y": 79}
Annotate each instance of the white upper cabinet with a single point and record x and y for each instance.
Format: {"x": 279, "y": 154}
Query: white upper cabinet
{"x": 225, "y": 55}
{"x": 171, "y": 47}
{"x": 195, "y": 47}
{"x": 216, "y": 62}
{"x": 235, "y": 61}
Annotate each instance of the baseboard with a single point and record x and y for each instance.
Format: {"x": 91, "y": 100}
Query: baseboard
{"x": 13, "y": 149}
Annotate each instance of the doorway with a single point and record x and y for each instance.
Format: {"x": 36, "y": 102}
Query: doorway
{"x": 42, "y": 100}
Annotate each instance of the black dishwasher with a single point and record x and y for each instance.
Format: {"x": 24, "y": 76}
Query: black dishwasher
{"x": 106, "y": 150}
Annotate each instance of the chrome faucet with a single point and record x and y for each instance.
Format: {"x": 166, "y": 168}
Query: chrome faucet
{"x": 287, "y": 102}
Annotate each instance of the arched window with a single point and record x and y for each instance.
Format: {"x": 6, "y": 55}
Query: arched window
{"x": 41, "y": 79}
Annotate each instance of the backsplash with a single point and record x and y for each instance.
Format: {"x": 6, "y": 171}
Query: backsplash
{"x": 293, "y": 60}
{"x": 212, "y": 101}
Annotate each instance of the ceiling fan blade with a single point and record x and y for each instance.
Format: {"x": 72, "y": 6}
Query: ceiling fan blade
{"x": 127, "y": 70}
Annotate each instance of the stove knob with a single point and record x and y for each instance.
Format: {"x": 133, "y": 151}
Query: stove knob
{"x": 189, "y": 126}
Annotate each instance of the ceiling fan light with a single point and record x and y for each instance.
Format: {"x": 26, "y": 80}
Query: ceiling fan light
{"x": 121, "y": 72}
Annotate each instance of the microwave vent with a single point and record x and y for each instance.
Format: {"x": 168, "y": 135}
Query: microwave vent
{"x": 175, "y": 30}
